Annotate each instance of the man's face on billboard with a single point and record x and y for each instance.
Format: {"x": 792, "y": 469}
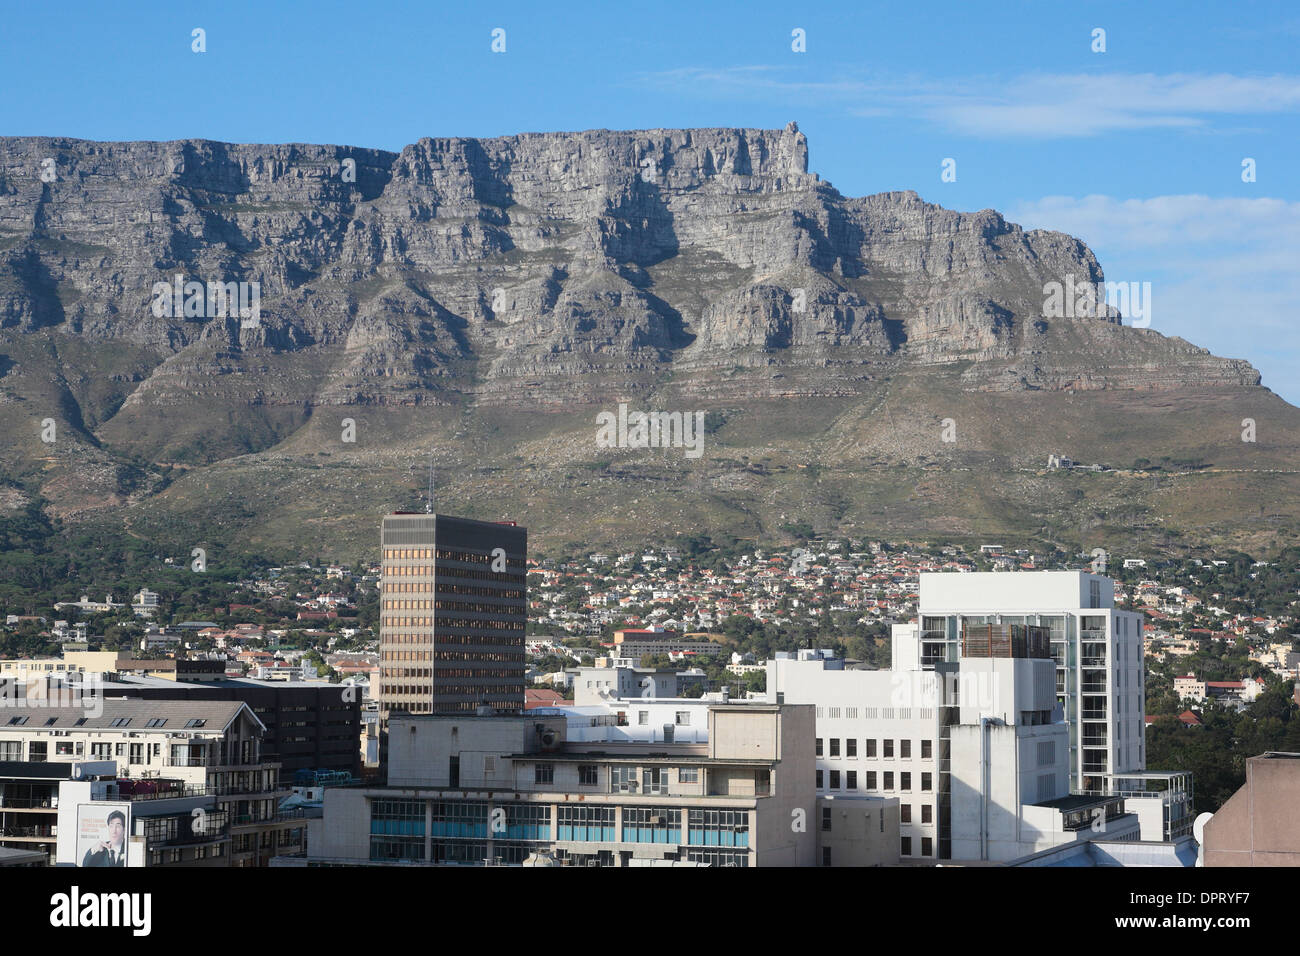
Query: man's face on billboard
{"x": 116, "y": 830}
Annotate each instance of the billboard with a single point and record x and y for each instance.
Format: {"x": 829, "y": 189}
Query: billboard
{"x": 102, "y": 834}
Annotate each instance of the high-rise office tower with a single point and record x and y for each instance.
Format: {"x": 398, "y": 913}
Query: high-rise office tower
{"x": 452, "y": 615}
{"x": 1097, "y": 649}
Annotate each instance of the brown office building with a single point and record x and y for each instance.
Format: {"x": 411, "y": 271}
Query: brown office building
{"x": 452, "y": 615}
{"x": 1257, "y": 827}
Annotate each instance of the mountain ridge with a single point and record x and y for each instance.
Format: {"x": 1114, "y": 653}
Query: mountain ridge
{"x": 542, "y": 276}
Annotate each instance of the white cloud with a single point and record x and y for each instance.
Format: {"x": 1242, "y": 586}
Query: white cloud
{"x": 1223, "y": 271}
{"x": 1036, "y": 105}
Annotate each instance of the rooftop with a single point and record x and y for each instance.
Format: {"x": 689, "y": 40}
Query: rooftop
{"x": 165, "y": 715}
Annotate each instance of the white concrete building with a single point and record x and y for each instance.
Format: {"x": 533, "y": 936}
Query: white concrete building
{"x": 1097, "y": 649}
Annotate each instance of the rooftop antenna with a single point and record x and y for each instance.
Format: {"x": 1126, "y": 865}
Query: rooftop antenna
{"x": 428, "y": 502}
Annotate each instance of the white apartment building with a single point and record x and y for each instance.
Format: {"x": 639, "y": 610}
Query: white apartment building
{"x": 1097, "y": 649}
{"x": 877, "y": 733}
{"x": 968, "y": 728}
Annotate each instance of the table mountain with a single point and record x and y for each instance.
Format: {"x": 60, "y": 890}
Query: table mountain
{"x": 483, "y": 300}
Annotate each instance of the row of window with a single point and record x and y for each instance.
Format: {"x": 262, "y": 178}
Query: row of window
{"x": 387, "y": 637}
{"x": 850, "y": 778}
{"x": 429, "y": 604}
{"x": 485, "y": 624}
{"x": 443, "y": 574}
{"x": 869, "y": 746}
{"x": 161, "y": 857}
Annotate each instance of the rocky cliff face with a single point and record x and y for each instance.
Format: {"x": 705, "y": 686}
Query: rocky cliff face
{"x": 585, "y": 258}
{"x": 539, "y": 271}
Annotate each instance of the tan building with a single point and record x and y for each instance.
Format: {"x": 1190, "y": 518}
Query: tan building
{"x": 1257, "y": 826}
{"x": 196, "y": 747}
{"x": 499, "y": 788}
{"x": 452, "y": 615}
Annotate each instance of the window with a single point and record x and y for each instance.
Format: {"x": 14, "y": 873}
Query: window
{"x": 927, "y": 813}
{"x": 119, "y": 722}
{"x": 907, "y": 846}
{"x": 851, "y": 747}
{"x": 688, "y": 775}
{"x": 643, "y": 718}
{"x": 889, "y": 780}
{"x": 927, "y": 846}
{"x": 851, "y": 780}
{"x": 156, "y": 722}
{"x": 51, "y": 721}
{"x": 826, "y": 818}
{"x": 654, "y": 780}
{"x": 889, "y": 749}
{"x": 835, "y": 779}
{"x": 101, "y": 751}
{"x": 587, "y": 775}
{"x": 905, "y": 813}
{"x": 826, "y": 855}
{"x": 927, "y": 781}
{"x": 904, "y": 781}
{"x": 79, "y": 721}
{"x": 195, "y": 722}
{"x": 871, "y": 780}
{"x": 683, "y": 718}
{"x": 16, "y": 721}
{"x": 11, "y": 750}
{"x": 652, "y": 825}
{"x": 819, "y": 779}
{"x": 871, "y": 748}
{"x": 585, "y": 823}
{"x": 927, "y": 749}
{"x": 905, "y": 749}
{"x": 622, "y": 779}
{"x": 718, "y": 828}
{"x": 36, "y": 751}
{"x": 835, "y": 746}
{"x": 543, "y": 773}
{"x": 819, "y": 747}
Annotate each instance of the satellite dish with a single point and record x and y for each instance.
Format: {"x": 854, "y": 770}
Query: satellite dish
{"x": 1198, "y": 833}
{"x": 1198, "y": 827}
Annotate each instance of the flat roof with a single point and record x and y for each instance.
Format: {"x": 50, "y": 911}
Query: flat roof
{"x": 1076, "y": 801}
{"x": 653, "y": 758}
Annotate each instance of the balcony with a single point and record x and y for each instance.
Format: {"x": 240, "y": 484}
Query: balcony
{"x": 46, "y": 832}
{"x": 1005, "y": 640}
{"x": 38, "y": 804}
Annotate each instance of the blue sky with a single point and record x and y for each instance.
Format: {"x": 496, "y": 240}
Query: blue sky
{"x": 1137, "y": 150}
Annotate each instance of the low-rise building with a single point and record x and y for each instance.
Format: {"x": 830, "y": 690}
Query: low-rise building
{"x": 503, "y": 788}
